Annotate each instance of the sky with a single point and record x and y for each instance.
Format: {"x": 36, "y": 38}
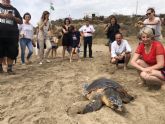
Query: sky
{"x": 79, "y": 8}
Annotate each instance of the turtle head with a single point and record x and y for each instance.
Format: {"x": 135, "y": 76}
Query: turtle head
{"x": 116, "y": 103}
{"x": 112, "y": 99}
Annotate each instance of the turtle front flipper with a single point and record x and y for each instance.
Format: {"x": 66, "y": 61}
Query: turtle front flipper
{"x": 126, "y": 98}
{"x": 92, "y": 106}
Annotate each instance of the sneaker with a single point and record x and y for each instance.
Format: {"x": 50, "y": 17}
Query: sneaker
{"x": 23, "y": 64}
{"x": 40, "y": 63}
{"x": 48, "y": 61}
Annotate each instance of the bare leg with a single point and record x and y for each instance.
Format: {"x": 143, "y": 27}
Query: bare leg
{"x": 143, "y": 64}
{"x": 155, "y": 77}
{"x": 52, "y": 52}
{"x": 127, "y": 58}
{"x": 76, "y": 50}
{"x": 63, "y": 51}
{"x": 71, "y": 55}
{"x": 1, "y": 61}
{"x": 110, "y": 49}
{"x": 114, "y": 61}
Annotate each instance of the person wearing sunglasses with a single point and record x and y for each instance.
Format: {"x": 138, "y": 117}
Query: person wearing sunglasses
{"x": 153, "y": 22}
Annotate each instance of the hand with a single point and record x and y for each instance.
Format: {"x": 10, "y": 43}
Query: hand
{"x": 9, "y": 16}
{"x": 45, "y": 21}
{"x": 120, "y": 57}
{"x": 147, "y": 70}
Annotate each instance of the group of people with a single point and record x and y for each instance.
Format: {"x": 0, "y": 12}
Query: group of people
{"x": 149, "y": 56}
{"x": 148, "y": 59}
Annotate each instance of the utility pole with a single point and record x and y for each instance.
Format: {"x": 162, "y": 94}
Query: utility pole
{"x": 137, "y": 2}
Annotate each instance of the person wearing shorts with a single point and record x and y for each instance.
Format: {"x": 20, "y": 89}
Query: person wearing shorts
{"x": 9, "y": 34}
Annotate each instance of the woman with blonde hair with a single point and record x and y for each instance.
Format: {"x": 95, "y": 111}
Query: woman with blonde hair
{"x": 149, "y": 58}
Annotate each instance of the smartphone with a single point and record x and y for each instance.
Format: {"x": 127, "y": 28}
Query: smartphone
{"x": 10, "y": 12}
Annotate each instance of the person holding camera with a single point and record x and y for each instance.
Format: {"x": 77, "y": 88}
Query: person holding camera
{"x": 87, "y": 31}
{"x": 26, "y": 34}
{"x": 9, "y": 34}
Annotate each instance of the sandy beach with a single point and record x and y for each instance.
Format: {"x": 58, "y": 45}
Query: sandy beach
{"x": 42, "y": 94}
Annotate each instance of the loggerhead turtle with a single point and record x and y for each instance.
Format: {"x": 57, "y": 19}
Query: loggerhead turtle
{"x": 105, "y": 91}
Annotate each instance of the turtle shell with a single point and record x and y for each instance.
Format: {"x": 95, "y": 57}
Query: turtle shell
{"x": 102, "y": 83}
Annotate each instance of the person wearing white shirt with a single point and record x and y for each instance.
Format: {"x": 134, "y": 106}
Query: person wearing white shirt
{"x": 87, "y": 31}
{"x": 26, "y": 33}
{"x": 120, "y": 51}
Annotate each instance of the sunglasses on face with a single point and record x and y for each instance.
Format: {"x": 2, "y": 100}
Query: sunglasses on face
{"x": 148, "y": 14}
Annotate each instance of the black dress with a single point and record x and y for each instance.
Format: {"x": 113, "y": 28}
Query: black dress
{"x": 66, "y": 41}
{"x": 75, "y": 37}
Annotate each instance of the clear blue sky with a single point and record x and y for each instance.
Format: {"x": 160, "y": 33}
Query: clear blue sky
{"x": 78, "y": 8}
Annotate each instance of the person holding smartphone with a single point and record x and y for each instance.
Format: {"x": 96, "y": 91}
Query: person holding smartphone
{"x": 9, "y": 34}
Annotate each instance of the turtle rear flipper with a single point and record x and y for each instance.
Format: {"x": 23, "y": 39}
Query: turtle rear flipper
{"x": 92, "y": 106}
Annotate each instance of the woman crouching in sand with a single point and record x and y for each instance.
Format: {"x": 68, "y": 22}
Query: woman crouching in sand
{"x": 149, "y": 59}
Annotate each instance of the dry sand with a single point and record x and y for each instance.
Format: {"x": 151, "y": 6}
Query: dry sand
{"x": 42, "y": 94}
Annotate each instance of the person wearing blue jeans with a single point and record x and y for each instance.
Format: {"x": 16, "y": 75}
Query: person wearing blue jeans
{"x": 26, "y": 33}
{"x": 23, "y": 43}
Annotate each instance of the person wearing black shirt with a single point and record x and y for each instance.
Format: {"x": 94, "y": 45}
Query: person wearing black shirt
{"x": 9, "y": 33}
{"x": 75, "y": 41}
{"x": 111, "y": 29}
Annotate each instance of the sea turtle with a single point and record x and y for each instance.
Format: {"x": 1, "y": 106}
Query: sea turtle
{"x": 105, "y": 91}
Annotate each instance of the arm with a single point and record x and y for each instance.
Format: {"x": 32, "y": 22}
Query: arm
{"x": 10, "y": 16}
{"x": 93, "y": 30}
{"x": 128, "y": 48}
{"x": 41, "y": 24}
{"x": 135, "y": 57}
{"x": 106, "y": 27}
{"x": 159, "y": 64}
{"x": 155, "y": 22}
{"x": 64, "y": 30}
{"x": 18, "y": 20}
{"x": 113, "y": 53}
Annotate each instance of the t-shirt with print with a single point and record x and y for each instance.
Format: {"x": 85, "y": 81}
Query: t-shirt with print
{"x": 150, "y": 57}
{"x": 9, "y": 27}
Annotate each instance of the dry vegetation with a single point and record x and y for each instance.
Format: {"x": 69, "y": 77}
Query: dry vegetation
{"x": 42, "y": 94}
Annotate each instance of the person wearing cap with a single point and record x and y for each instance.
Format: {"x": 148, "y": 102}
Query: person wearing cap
{"x": 153, "y": 22}
{"x": 87, "y": 31}
{"x": 120, "y": 51}
{"x": 149, "y": 59}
